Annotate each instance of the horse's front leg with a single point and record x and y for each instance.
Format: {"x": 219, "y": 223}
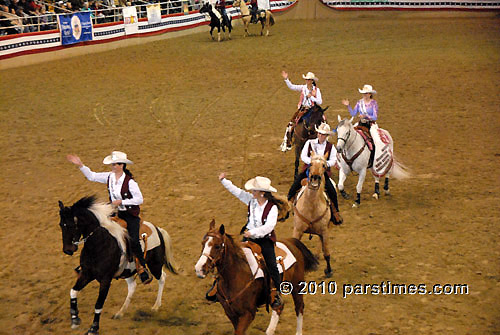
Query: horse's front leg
{"x": 131, "y": 286}
{"x": 326, "y": 253}
{"x": 262, "y": 28}
{"x": 82, "y": 281}
{"x": 275, "y": 318}
{"x": 218, "y": 34}
{"x": 376, "y": 192}
{"x": 359, "y": 187}
{"x": 342, "y": 177}
{"x": 211, "y": 31}
{"x": 103, "y": 293}
{"x": 243, "y": 323}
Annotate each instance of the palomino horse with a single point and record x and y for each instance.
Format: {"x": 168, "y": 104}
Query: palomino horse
{"x": 217, "y": 21}
{"x": 311, "y": 211}
{"x": 237, "y": 289}
{"x": 305, "y": 131}
{"x": 353, "y": 154}
{"x": 104, "y": 255}
{"x": 265, "y": 17}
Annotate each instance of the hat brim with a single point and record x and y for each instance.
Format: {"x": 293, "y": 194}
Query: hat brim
{"x": 249, "y": 187}
{"x": 314, "y": 78}
{"x": 363, "y": 92}
{"x": 109, "y": 160}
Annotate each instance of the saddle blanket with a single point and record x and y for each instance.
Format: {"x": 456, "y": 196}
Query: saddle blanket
{"x": 288, "y": 261}
{"x": 153, "y": 242}
{"x": 382, "y": 162}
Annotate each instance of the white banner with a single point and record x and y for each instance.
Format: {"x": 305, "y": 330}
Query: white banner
{"x": 154, "y": 13}
{"x": 130, "y": 20}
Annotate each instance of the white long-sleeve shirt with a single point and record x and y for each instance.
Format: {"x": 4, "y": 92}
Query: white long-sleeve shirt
{"x": 318, "y": 148}
{"x": 304, "y": 100}
{"x": 115, "y": 186}
{"x": 255, "y": 226}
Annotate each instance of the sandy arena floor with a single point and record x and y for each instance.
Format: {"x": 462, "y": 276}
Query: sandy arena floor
{"x": 185, "y": 109}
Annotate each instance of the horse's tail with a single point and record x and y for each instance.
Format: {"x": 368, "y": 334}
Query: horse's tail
{"x": 169, "y": 254}
{"x": 271, "y": 19}
{"x": 310, "y": 261}
{"x": 399, "y": 170}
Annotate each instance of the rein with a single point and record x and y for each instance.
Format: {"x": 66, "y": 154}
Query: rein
{"x": 86, "y": 238}
{"x": 350, "y": 161}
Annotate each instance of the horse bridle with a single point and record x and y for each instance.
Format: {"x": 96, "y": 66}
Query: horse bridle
{"x": 347, "y": 138}
{"x": 214, "y": 260}
{"x": 310, "y": 177}
{"x": 81, "y": 240}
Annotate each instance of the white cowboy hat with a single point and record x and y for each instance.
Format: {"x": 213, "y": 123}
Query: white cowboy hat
{"x": 367, "y": 89}
{"x": 324, "y": 128}
{"x": 117, "y": 157}
{"x": 310, "y": 75}
{"x": 260, "y": 184}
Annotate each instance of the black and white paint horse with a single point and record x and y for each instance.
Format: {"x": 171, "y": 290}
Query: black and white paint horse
{"x": 217, "y": 20}
{"x": 104, "y": 255}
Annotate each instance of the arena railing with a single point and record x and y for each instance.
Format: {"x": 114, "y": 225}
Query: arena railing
{"x": 108, "y": 14}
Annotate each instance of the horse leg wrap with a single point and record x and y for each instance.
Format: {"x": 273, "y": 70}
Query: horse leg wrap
{"x": 75, "y": 320}
{"x": 358, "y": 198}
{"x": 377, "y": 188}
{"x": 386, "y": 184}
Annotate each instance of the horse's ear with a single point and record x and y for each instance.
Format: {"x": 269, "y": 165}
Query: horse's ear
{"x": 222, "y": 230}
{"x": 61, "y": 206}
{"x": 212, "y": 224}
{"x": 351, "y": 119}
{"x": 339, "y": 118}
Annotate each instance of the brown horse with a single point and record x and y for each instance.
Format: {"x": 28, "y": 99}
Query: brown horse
{"x": 305, "y": 131}
{"x": 311, "y": 211}
{"x": 238, "y": 291}
{"x": 265, "y": 18}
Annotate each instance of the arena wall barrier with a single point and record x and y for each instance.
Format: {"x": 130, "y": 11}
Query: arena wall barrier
{"x": 15, "y": 46}
{"x": 413, "y": 5}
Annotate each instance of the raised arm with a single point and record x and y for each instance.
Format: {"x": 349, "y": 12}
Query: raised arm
{"x": 244, "y": 196}
{"x": 100, "y": 177}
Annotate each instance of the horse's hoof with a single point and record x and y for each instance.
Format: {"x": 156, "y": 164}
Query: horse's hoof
{"x": 345, "y": 195}
{"x": 328, "y": 274}
{"x": 75, "y": 323}
{"x": 155, "y": 308}
{"x": 355, "y": 205}
{"x": 375, "y": 195}
{"x": 387, "y": 192}
{"x": 117, "y": 316}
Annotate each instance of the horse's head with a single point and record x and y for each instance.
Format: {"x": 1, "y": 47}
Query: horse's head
{"x": 206, "y": 8}
{"x": 317, "y": 170}
{"x": 212, "y": 251}
{"x": 344, "y": 131}
{"x": 69, "y": 228}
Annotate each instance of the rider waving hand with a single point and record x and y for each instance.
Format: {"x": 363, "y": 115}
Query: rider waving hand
{"x": 367, "y": 107}
{"x": 310, "y": 95}
{"x": 124, "y": 193}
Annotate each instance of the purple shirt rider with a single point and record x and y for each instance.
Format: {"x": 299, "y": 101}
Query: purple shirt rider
{"x": 366, "y": 110}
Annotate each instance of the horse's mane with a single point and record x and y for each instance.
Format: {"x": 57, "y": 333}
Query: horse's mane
{"x": 236, "y": 246}
{"x": 102, "y": 212}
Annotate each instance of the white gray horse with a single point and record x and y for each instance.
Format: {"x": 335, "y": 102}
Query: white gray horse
{"x": 353, "y": 154}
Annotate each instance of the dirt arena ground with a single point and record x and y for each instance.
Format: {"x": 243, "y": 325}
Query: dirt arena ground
{"x": 185, "y": 109}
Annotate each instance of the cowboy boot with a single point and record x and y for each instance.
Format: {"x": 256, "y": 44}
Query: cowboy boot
{"x": 211, "y": 294}
{"x": 276, "y": 299}
{"x": 143, "y": 273}
{"x": 335, "y": 216}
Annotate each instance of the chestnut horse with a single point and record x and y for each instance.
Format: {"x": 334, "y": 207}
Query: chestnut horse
{"x": 237, "y": 290}
{"x": 311, "y": 211}
{"x": 265, "y": 18}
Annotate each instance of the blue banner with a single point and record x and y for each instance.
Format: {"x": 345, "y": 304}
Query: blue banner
{"x": 76, "y": 27}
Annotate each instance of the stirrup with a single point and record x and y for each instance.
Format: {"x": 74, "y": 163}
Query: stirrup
{"x": 211, "y": 294}
{"x": 145, "y": 276}
{"x": 277, "y": 303}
